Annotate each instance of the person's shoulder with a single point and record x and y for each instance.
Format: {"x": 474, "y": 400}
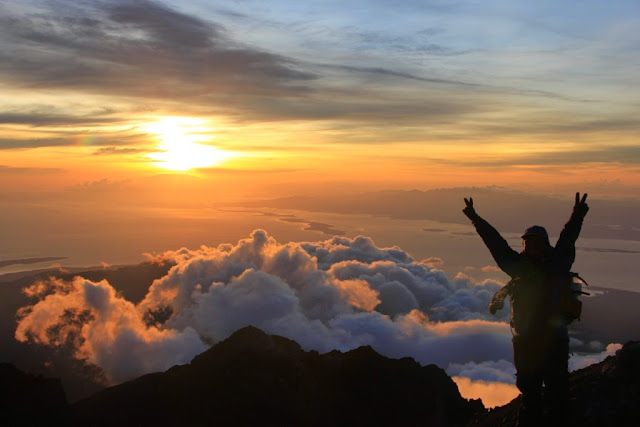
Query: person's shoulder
{"x": 562, "y": 254}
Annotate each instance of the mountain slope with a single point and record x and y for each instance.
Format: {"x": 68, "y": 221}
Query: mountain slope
{"x": 27, "y": 399}
{"x": 603, "y": 394}
{"x": 254, "y": 378}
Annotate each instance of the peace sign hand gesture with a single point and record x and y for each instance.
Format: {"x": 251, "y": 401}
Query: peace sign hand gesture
{"x": 580, "y": 207}
{"x": 469, "y": 210}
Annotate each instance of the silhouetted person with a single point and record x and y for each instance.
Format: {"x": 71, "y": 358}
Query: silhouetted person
{"x": 539, "y": 325}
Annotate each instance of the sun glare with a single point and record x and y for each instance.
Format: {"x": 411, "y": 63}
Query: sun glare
{"x": 180, "y": 146}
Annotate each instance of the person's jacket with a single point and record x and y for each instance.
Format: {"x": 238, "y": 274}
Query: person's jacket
{"x": 535, "y": 284}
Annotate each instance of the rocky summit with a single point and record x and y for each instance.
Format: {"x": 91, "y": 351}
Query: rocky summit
{"x": 29, "y": 400}
{"x": 603, "y": 394}
{"x": 252, "y": 378}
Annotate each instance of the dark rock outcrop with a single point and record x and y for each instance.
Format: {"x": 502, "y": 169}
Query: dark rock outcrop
{"x": 253, "y": 378}
{"x": 603, "y": 394}
{"x": 27, "y": 400}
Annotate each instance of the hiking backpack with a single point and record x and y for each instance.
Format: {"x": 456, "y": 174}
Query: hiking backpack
{"x": 569, "y": 293}
{"x": 571, "y": 304}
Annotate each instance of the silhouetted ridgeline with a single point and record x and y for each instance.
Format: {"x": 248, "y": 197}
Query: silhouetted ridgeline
{"x": 253, "y": 378}
{"x": 508, "y": 209}
{"x": 603, "y": 394}
{"x": 28, "y": 400}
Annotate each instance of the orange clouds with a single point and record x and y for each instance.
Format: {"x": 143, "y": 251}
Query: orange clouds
{"x": 325, "y": 295}
{"x": 359, "y": 294}
{"x": 104, "y": 329}
{"x": 491, "y": 393}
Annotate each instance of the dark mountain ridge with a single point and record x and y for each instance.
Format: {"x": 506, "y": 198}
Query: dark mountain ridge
{"x": 602, "y": 394}
{"x": 508, "y": 210}
{"x": 27, "y": 399}
{"x": 253, "y": 378}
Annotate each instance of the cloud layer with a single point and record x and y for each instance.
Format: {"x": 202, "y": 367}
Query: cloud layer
{"x": 335, "y": 294}
{"x": 135, "y": 48}
{"x": 242, "y": 65}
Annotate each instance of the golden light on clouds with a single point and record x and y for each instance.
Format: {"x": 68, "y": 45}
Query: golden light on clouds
{"x": 491, "y": 393}
{"x": 181, "y": 144}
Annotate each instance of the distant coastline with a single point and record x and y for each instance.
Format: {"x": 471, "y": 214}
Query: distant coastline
{"x": 21, "y": 261}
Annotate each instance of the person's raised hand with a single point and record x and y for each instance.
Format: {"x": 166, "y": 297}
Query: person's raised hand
{"x": 581, "y": 207}
{"x": 469, "y": 210}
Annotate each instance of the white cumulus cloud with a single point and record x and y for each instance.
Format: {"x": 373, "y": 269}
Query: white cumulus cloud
{"x": 340, "y": 293}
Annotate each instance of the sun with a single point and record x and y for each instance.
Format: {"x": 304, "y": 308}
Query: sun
{"x": 179, "y": 144}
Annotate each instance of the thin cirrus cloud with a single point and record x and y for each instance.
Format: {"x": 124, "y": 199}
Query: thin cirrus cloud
{"x": 183, "y": 57}
{"x": 478, "y": 78}
{"x": 137, "y": 48}
{"x": 38, "y": 118}
{"x": 148, "y": 50}
{"x": 13, "y": 170}
{"x": 111, "y": 150}
{"x": 612, "y": 154}
{"x": 71, "y": 139}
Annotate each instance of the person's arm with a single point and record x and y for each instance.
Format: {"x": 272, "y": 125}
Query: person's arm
{"x": 506, "y": 258}
{"x": 567, "y": 240}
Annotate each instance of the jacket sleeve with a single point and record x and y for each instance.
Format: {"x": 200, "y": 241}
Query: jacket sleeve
{"x": 565, "y": 248}
{"x": 507, "y": 259}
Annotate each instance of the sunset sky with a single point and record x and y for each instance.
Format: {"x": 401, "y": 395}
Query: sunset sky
{"x": 267, "y": 98}
{"x": 246, "y": 142}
